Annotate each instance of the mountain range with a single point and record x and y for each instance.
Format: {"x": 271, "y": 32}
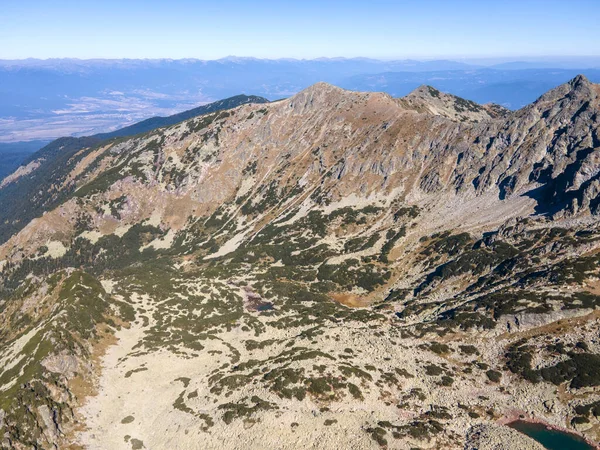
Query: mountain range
{"x": 336, "y": 269}
{"x": 46, "y": 99}
{"x": 18, "y": 195}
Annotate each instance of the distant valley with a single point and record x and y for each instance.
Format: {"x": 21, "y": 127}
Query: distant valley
{"x": 46, "y": 99}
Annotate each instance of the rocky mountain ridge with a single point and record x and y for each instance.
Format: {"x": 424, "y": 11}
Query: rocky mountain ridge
{"x": 26, "y": 192}
{"x": 428, "y": 99}
{"x": 349, "y": 268}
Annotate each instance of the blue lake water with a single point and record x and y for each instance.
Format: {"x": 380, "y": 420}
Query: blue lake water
{"x": 265, "y": 306}
{"x": 551, "y": 439}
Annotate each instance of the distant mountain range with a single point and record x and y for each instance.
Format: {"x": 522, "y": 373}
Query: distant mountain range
{"x": 512, "y": 89}
{"x": 45, "y": 99}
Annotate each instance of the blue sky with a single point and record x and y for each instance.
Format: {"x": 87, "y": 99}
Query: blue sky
{"x": 299, "y": 29}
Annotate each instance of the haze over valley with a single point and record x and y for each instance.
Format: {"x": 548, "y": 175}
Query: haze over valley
{"x": 46, "y": 99}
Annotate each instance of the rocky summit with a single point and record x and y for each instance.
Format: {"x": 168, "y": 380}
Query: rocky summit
{"x": 333, "y": 270}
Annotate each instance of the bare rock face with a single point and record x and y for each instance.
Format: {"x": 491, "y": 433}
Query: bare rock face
{"x": 63, "y": 364}
{"x": 51, "y": 428}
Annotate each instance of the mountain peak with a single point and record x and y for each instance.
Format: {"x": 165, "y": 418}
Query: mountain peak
{"x": 320, "y": 93}
{"x": 577, "y": 88}
{"x": 579, "y": 80}
{"x": 425, "y": 89}
{"x": 427, "y": 99}
{"x": 581, "y": 84}
{"x": 321, "y": 87}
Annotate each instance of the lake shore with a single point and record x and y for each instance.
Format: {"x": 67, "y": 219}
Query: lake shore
{"x": 520, "y": 416}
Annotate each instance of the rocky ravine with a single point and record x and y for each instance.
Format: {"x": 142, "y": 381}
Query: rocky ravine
{"x": 333, "y": 270}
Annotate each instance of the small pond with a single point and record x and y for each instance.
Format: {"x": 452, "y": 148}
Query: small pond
{"x": 550, "y": 438}
{"x": 264, "y": 306}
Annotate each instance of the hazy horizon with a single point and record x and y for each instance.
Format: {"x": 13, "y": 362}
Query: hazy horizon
{"x": 400, "y": 58}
